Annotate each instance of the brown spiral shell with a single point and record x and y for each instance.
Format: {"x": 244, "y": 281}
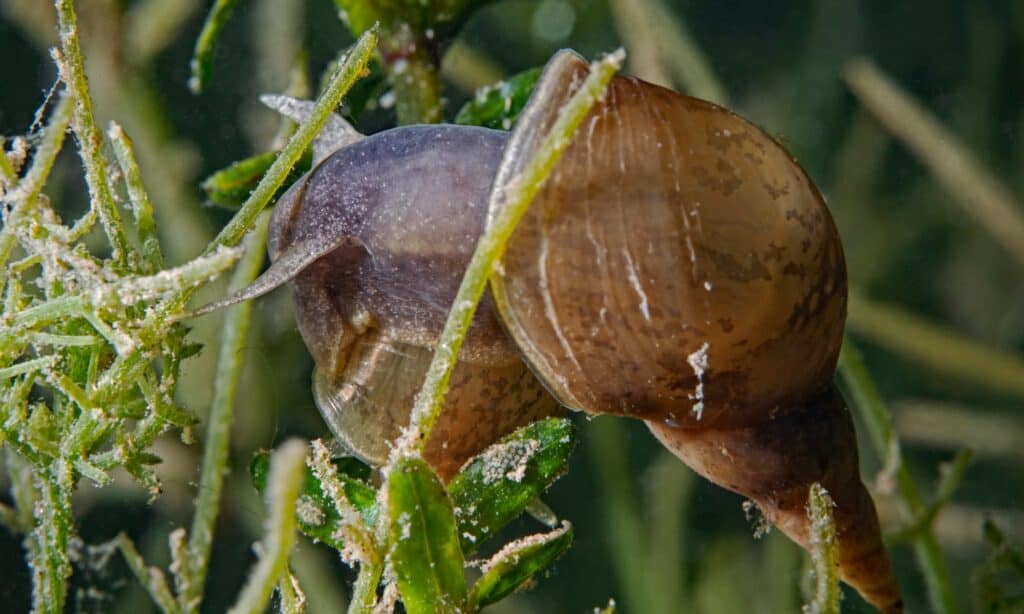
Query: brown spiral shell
{"x": 679, "y": 266}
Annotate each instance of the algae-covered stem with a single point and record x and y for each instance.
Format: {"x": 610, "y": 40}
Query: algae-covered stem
{"x": 90, "y": 141}
{"x": 518, "y": 197}
{"x": 823, "y": 552}
{"x": 351, "y": 69}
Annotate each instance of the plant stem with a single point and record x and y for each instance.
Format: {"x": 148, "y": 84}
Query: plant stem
{"x": 90, "y": 141}
{"x": 283, "y": 485}
{"x": 54, "y": 527}
{"x": 869, "y": 404}
{"x": 218, "y": 433}
{"x": 417, "y": 84}
{"x": 666, "y": 45}
{"x": 348, "y": 72}
{"x": 141, "y": 207}
{"x": 32, "y": 184}
{"x": 823, "y": 552}
{"x": 517, "y": 198}
{"x": 952, "y": 474}
{"x": 8, "y": 176}
{"x": 153, "y": 580}
{"x": 202, "y": 56}
{"x": 364, "y": 592}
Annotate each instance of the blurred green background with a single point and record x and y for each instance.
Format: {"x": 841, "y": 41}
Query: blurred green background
{"x": 910, "y": 245}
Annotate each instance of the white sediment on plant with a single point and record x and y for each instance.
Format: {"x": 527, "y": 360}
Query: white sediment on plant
{"x": 131, "y": 290}
{"x": 308, "y": 512}
{"x": 320, "y": 463}
{"x": 508, "y": 460}
{"x": 512, "y": 550}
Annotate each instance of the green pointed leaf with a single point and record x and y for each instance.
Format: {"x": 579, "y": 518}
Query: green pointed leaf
{"x": 497, "y": 106}
{"x": 230, "y": 187}
{"x": 317, "y": 516}
{"x": 423, "y": 543}
{"x": 517, "y": 562}
{"x": 496, "y": 486}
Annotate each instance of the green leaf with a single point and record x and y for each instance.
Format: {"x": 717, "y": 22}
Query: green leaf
{"x": 317, "y": 516}
{"x": 497, "y": 485}
{"x": 230, "y": 187}
{"x": 517, "y": 562}
{"x": 497, "y": 106}
{"x": 423, "y": 543}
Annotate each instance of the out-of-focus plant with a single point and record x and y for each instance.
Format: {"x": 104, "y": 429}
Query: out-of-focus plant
{"x": 90, "y": 344}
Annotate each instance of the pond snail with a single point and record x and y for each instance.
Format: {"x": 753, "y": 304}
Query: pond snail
{"x": 678, "y": 266}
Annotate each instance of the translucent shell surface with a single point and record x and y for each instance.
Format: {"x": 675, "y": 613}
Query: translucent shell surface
{"x": 678, "y": 265}
{"x": 381, "y": 232}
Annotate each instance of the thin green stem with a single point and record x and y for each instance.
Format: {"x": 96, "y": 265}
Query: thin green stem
{"x": 32, "y": 183}
{"x": 293, "y": 600}
{"x": 869, "y": 404}
{"x": 364, "y": 592}
{"x": 90, "y": 141}
{"x": 202, "y": 56}
{"x": 54, "y": 528}
{"x": 666, "y": 46}
{"x": 935, "y": 346}
{"x": 153, "y": 580}
{"x": 952, "y": 474}
{"x": 417, "y": 85}
{"x": 348, "y": 72}
{"x": 671, "y": 485}
{"x": 218, "y": 433}
{"x": 142, "y": 209}
{"x": 27, "y": 366}
{"x": 490, "y": 247}
{"x": 468, "y": 68}
{"x": 8, "y": 176}
{"x": 823, "y": 552}
{"x": 152, "y": 25}
{"x": 364, "y": 543}
{"x": 283, "y": 486}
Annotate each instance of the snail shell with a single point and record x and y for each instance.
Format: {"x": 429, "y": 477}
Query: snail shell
{"x": 678, "y": 266}
{"x": 389, "y": 223}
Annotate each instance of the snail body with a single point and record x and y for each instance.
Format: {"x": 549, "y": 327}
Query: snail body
{"x": 678, "y": 267}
